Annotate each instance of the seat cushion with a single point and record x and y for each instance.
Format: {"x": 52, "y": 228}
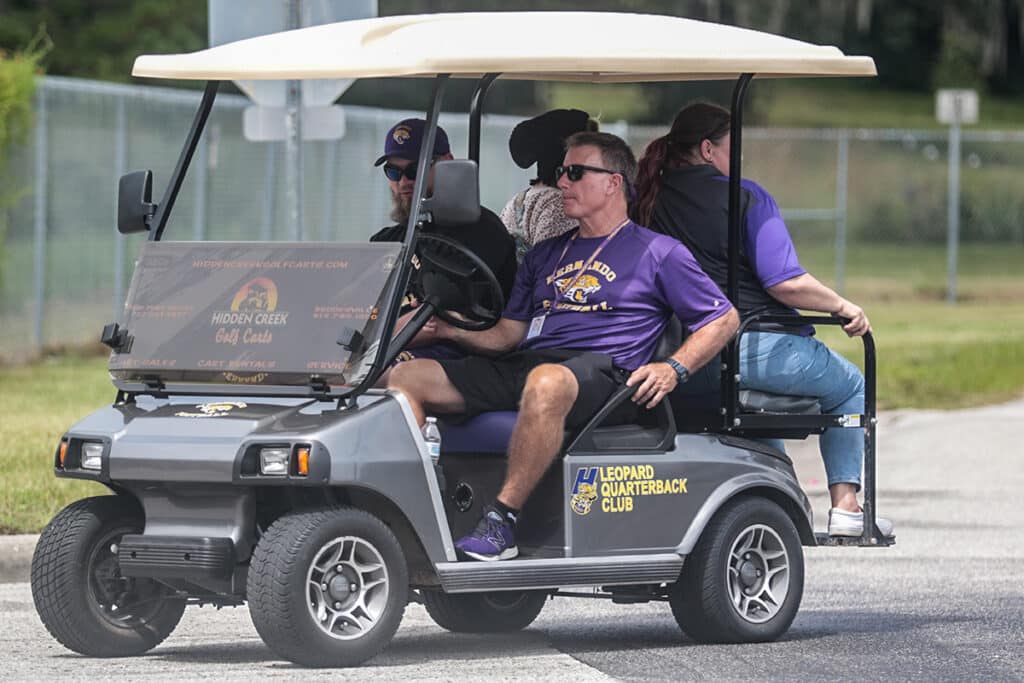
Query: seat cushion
{"x": 752, "y": 401}
{"x": 485, "y": 433}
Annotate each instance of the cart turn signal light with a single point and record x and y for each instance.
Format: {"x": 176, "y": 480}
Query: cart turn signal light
{"x": 62, "y": 453}
{"x": 302, "y": 461}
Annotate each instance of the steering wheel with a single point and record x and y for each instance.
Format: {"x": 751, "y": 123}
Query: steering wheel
{"x": 456, "y": 280}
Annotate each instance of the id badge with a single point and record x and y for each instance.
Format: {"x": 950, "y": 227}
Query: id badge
{"x": 536, "y": 325}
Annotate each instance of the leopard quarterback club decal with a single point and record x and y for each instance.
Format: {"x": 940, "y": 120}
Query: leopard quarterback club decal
{"x": 619, "y": 486}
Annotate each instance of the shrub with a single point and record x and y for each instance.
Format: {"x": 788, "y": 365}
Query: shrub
{"x": 17, "y": 86}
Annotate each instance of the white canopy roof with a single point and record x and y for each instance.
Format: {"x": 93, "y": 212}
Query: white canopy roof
{"x": 556, "y": 46}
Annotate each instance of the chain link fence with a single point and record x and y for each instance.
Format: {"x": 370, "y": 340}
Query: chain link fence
{"x": 64, "y": 268}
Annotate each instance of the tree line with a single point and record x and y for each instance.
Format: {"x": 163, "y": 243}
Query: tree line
{"x": 918, "y": 45}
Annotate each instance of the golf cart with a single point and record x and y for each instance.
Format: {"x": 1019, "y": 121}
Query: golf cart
{"x": 252, "y": 460}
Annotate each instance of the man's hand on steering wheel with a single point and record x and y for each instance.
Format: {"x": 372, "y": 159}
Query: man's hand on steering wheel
{"x": 459, "y": 283}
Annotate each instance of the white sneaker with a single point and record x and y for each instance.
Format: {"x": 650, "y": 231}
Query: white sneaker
{"x": 843, "y": 523}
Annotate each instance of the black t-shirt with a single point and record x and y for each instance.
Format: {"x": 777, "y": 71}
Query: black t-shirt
{"x": 487, "y": 238}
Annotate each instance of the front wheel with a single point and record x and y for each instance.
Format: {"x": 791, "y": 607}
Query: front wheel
{"x": 495, "y": 612}
{"x": 79, "y": 592}
{"x": 743, "y": 581}
{"x": 327, "y": 588}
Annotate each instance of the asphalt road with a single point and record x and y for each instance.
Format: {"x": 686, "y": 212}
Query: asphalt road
{"x": 946, "y": 603}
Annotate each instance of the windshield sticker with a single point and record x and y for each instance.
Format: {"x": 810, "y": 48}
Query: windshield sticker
{"x": 219, "y": 409}
{"x": 618, "y": 486}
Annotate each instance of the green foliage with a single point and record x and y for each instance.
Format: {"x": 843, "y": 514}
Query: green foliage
{"x": 17, "y": 86}
{"x": 957, "y": 65}
{"x": 39, "y": 402}
{"x": 101, "y": 39}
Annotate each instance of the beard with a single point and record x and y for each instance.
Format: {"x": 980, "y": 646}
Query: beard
{"x": 400, "y": 208}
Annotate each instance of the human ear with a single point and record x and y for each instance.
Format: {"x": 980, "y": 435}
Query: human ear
{"x": 707, "y": 150}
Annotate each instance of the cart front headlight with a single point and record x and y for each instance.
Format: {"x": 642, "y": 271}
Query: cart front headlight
{"x": 92, "y": 456}
{"x": 274, "y": 460}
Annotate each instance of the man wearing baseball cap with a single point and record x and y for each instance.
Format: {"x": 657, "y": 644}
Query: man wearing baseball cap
{"x": 487, "y": 237}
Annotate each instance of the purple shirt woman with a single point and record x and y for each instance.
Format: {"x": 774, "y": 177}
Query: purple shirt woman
{"x": 682, "y": 191}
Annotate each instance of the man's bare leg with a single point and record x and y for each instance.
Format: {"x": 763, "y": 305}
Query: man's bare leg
{"x": 547, "y": 399}
{"x": 427, "y": 387}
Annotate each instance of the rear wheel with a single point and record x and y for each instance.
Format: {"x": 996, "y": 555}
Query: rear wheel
{"x": 327, "y": 588}
{"x": 494, "y": 612}
{"x": 743, "y": 581}
{"x": 79, "y": 592}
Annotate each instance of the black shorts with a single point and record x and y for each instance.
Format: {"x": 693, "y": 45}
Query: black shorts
{"x": 489, "y": 384}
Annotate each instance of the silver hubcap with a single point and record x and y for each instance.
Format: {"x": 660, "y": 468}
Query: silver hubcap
{"x": 347, "y": 586}
{"x": 758, "y": 574}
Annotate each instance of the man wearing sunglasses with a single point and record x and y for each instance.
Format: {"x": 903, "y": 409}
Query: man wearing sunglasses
{"x": 585, "y": 316}
{"x": 487, "y": 237}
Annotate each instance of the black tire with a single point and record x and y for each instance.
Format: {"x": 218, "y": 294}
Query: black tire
{"x": 494, "y": 612}
{"x": 282, "y": 599}
{"x": 79, "y": 592}
{"x": 702, "y": 599}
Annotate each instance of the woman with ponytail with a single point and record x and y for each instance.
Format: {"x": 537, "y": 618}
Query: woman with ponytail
{"x": 683, "y": 191}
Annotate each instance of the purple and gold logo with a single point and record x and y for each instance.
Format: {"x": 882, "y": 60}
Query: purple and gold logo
{"x": 402, "y": 134}
{"x": 584, "y": 490}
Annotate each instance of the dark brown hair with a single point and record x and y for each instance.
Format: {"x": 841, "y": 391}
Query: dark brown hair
{"x": 693, "y": 124}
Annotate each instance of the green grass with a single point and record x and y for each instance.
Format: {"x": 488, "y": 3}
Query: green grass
{"x": 930, "y": 355}
{"x": 39, "y": 403}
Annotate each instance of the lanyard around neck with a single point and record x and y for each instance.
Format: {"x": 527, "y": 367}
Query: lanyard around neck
{"x": 561, "y": 291}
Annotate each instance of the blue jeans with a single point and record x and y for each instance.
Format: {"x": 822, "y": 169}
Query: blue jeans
{"x": 803, "y": 366}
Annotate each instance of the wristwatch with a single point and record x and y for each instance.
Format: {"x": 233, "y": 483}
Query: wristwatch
{"x": 682, "y": 374}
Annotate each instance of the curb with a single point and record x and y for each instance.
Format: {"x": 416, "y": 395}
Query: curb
{"x": 16, "y": 557}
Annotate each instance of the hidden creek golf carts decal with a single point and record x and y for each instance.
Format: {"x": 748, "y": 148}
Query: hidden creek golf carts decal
{"x": 618, "y": 486}
{"x": 251, "y": 313}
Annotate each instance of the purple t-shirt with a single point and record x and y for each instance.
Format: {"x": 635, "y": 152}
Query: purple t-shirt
{"x": 621, "y": 304}
{"x": 770, "y": 249}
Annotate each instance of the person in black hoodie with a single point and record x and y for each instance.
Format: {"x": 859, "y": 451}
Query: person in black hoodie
{"x": 683, "y": 191}
{"x": 487, "y": 237}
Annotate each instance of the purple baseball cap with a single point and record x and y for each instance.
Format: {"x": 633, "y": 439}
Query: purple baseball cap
{"x": 405, "y": 138}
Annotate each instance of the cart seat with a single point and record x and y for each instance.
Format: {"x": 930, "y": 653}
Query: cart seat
{"x": 491, "y": 433}
{"x": 752, "y": 401}
{"x": 485, "y": 433}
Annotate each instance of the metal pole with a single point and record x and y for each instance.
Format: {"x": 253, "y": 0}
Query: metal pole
{"x": 293, "y": 140}
{"x": 730, "y": 354}
{"x": 163, "y": 212}
{"x": 476, "y": 108}
{"x": 953, "y": 240}
{"x": 120, "y": 168}
{"x": 269, "y": 192}
{"x": 39, "y": 265}
{"x": 330, "y": 178}
{"x": 842, "y": 168}
{"x": 199, "y": 207}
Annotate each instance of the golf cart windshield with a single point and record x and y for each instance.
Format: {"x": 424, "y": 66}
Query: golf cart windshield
{"x": 254, "y": 315}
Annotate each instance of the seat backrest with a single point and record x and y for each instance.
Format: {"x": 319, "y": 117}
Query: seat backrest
{"x": 671, "y": 339}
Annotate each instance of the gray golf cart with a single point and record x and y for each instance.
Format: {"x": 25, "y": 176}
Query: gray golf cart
{"x": 251, "y": 459}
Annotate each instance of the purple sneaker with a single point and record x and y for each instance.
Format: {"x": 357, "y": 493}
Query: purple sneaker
{"x": 492, "y": 539}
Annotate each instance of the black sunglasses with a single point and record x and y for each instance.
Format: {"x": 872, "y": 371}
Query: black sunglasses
{"x": 394, "y": 173}
{"x": 576, "y": 171}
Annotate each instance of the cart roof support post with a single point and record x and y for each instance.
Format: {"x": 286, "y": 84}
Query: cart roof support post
{"x": 401, "y": 282}
{"x": 729, "y": 367}
{"x": 163, "y": 211}
{"x": 476, "y": 109}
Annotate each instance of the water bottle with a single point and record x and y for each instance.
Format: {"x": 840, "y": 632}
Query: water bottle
{"x": 432, "y": 435}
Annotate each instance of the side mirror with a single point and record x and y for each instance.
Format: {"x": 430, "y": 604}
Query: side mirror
{"x": 456, "y": 198}
{"x": 135, "y": 205}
